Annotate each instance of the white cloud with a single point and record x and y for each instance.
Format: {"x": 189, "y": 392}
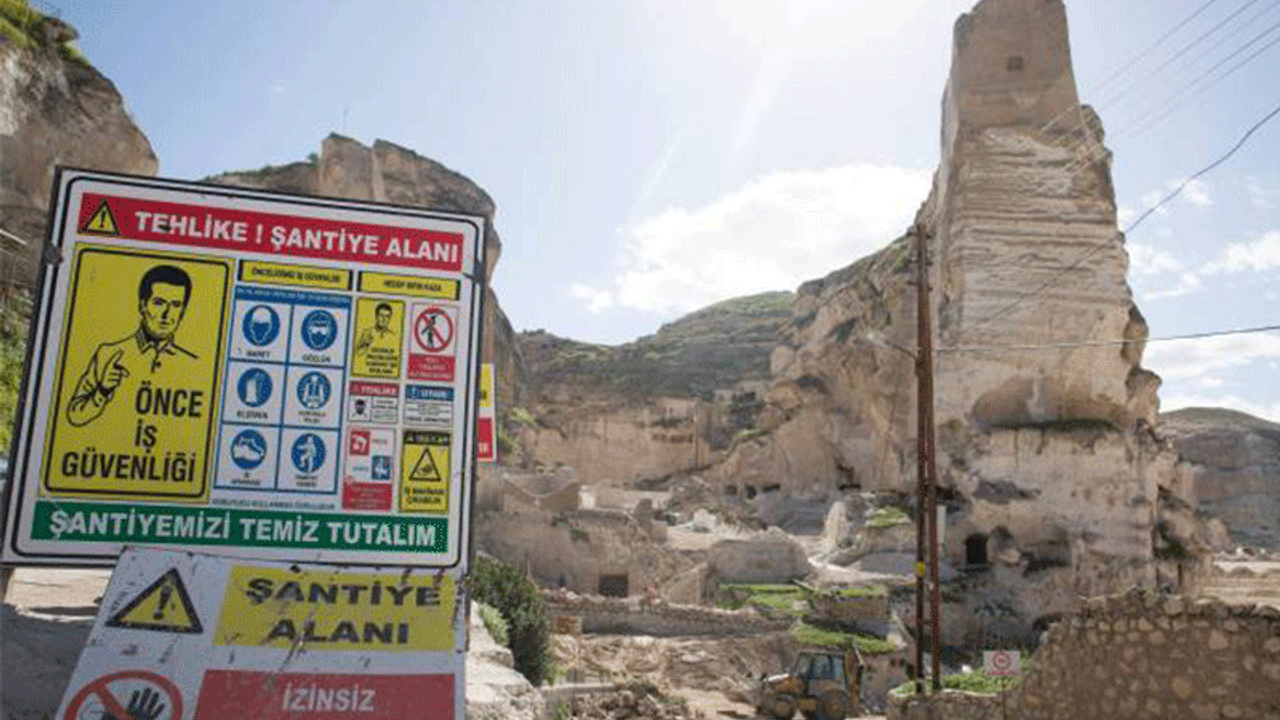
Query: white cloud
{"x": 771, "y": 234}
{"x": 1266, "y": 412}
{"x": 1188, "y": 282}
{"x": 1146, "y": 260}
{"x": 1150, "y": 199}
{"x": 1209, "y": 357}
{"x": 1256, "y": 256}
{"x": 1260, "y": 197}
{"x": 1124, "y": 214}
{"x": 1196, "y": 192}
{"x": 597, "y": 300}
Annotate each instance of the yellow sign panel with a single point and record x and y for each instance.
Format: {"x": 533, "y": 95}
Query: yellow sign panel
{"x": 164, "y": 606}
{"x": 486, "y": 386}
{"x": 138, "y": 376}
{"x": 424, "y": 472}
{"x": 269, "y": 273}
{"x": 378, "y": 333}
{"x": 414, "y": 285}
{"x": 323, "y": 610}
{"x": 102, "y": 222}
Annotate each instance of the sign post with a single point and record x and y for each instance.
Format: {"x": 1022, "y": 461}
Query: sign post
{"x": 1003, "y": 664}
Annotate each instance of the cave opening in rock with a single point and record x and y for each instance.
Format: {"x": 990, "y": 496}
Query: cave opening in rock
{"x": 975, "y": 551}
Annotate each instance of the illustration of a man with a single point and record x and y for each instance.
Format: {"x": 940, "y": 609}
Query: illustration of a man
{"x": 381, "y": 334}
{"x": 163, "y": 295}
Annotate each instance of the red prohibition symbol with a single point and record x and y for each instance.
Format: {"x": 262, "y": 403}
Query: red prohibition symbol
{"x": 158, "y": 698}
{"x": 433, "y": 329}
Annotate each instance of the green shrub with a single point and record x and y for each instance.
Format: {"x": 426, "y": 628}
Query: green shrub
{"x": 516, "y": 597}
{"x": 493, "y": 623}
{"x": 14, "y": 316}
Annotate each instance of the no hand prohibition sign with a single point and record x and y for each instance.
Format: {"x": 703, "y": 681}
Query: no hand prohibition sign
{"x": 433, "y": 329}
{"x": 127, "y": 694}
{"x": 997, "y": 663}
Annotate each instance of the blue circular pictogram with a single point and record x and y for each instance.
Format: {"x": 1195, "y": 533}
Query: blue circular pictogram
{"x": 261, "y": 325}
{"x": 319, "y": 329}
{"x": 254, "y": 387}
{"x": 308, "y": 453}
{"x": 314, "y": 390}
{"x": 248, "y": 449}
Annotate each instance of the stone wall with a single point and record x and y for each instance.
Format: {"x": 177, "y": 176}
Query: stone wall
{"x": 634, "y": 616}
{"x": 1142, "y": 655}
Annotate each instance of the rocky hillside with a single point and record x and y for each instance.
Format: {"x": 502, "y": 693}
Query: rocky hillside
{"x": 55, "y": 109}
{"x": 1237, "y": 469}
{"x": 711, "y": 349}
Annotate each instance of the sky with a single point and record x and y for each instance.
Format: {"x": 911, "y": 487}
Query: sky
{"x": 650, "y": 157}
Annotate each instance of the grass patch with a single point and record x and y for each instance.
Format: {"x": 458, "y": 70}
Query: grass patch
{"x": 888, "y": 517}
{"x": 871, "y": 591}
{"x": 806, "y": 634}
{"x": 974, "y": 681}
{"x": 15, "y": 314}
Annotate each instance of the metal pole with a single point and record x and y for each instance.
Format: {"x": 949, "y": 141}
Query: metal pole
{"x": 922, "y": 515}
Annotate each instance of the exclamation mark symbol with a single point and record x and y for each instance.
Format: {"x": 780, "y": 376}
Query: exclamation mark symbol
{"x": 166, "y": 592}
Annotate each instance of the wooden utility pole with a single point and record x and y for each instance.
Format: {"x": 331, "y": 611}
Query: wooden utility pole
{"x": 926, "y": 472}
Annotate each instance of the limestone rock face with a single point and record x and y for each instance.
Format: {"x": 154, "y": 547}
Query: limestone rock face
{"x": 1053, "y": 479}
{"x": 1236, "y": 467}
{"x": 386, "y": 172}
{"x": 54, "y": 112}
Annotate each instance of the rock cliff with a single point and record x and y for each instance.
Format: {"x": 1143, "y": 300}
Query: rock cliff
{"x": 1236, "y": 466}
{"x": 1055, "y": 483}
{"x": 55, "y": 109}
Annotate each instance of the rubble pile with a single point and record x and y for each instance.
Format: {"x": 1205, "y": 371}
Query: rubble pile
{"x": 635, "y": 700}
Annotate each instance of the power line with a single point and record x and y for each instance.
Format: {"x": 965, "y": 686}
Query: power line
{"x": 1150, "y": 211}
{"x": 1134, "y": 60}
{"x": 1105, "y": 343}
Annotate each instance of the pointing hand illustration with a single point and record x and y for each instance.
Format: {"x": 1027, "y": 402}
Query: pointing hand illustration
{"x": 115, "y": 372}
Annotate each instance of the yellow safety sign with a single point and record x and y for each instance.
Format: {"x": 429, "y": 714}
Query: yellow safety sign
{"x": 138, "y": 376}
{"x": 164, "y": 606}
{"x": 102, "y": 222}
{"x": 322, "y": 610}
{"x": 272, "y": 273}
{"x": 415, "y": 285}
{"x": 424, "y": 471}
{"x": 379, "y": 331}
{"x": 486, "y": 386}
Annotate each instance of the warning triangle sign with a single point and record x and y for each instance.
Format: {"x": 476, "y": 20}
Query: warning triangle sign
{"x": 102, "y": 222}
{"x": 425, "y": 469}
{"x": 164, "y": 606}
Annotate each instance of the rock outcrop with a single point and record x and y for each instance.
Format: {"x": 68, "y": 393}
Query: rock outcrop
{"x": 666, "y": 403}
{"x": 1054, "y": 482}
{"x": 55, "y": 109}
{"x": 386, "y": 172}
{"x": 1236, "y": 466}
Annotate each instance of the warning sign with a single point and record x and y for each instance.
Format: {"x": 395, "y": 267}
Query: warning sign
{"x": 127, "y": 694}
{"x": 376, "y": 351}
{"x": 486, "y": 450}
{"x": 326, "y": 610}
{"x": 101, "y": 222}
{"x": 425, "y": 472}
{"x": 164, "y": 606}
{"x": 1001, "y": 663}
{"x": 431, "y": 351}
{"x": 370, "y": 472}
{"x": 206, "y": 364}
{"x": 242, "y": 694}
{"x": 281, "y": 640}
{"x": 138, "y": 375}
